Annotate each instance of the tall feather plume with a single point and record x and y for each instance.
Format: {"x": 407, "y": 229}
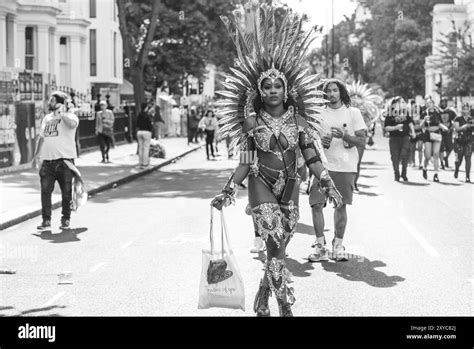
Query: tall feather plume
{"x": 260, "y": 44}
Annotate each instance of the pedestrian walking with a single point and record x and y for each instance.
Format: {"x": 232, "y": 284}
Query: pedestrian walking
{"x": 104, "y": 129}
{"x": 56, "y": 145}
{"x": 464, "y": 127}
{"x": 176, "y": 121}
{"x": 416, "y": 144}
{"x": 144, "y": 131}
{"x": 269, "y": 142}
{"x": 400, "y": 126}
{"x": 158, "y": 122}
{"x": 447, "y": 117}
{"x": 209, "y": 125}
{"x": 348, "y": 132}
{"x": 193, "y": 126}
{"x": 432, "y": 125}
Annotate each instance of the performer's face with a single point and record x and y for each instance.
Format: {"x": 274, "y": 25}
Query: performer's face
{"x": 333, "y": 93}
{"x": 273, "y": 92}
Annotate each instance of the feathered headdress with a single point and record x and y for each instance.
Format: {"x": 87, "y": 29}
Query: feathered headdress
{"x": 267, "y": 49}
{"x": 366, "y": 100}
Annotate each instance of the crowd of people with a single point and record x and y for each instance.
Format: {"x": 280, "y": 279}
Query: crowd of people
{"x": 433, "y": 132}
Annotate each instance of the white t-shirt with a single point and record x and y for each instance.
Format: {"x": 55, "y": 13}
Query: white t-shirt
{"x": 342, "y": 159}
{"x": 59, "y": 139}
{"x": 175, "y": 115}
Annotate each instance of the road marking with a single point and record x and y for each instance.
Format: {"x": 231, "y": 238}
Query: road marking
{"x": 418, "y": 237}
{"x": 53, "y": 300}
{"x": 127, "y": 244}
{"x": 97, "y": 267}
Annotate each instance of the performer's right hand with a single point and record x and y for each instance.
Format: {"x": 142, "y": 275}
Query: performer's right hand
{"x": 220, "y": 201}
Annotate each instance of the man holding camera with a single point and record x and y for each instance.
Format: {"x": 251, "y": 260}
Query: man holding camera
{"x": 55, "y": 145}
{"x": 348, "y": 131}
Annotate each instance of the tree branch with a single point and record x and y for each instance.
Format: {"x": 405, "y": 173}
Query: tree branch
{"x": 126, "y": 36}
{"x": 142, "y": 55}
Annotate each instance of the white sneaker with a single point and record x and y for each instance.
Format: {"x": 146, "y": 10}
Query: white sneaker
{"x": 339, "y": 253}
{"x": 258, "y": 245}
{"x": 320, "y": 254}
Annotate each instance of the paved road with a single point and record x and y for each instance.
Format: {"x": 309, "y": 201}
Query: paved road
{"x": 136, "y": 250}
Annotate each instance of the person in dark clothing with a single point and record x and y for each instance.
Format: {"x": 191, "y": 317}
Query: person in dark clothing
{"x": 400, "y": 126}
{"x": 193, "y": 126}
{"x": 144, "y": 131}
{"x": 464, "y": 126}
{"x": 447, "y": 145}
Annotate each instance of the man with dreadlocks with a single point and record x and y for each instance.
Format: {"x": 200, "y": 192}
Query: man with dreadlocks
{"x": 270, "y": 82}
{"x": 348, "y": 132}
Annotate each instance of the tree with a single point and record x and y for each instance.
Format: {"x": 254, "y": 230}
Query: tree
{"x": 399, "y": 35}
{"x": 457, "y": 61}
{"x": 137, "y": 21}
{"x": 169, "y": 39}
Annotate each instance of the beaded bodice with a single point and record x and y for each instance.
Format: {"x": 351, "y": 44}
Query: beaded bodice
{"x": 268, "y": 128}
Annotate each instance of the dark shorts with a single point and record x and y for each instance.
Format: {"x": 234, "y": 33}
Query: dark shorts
{"x": 344, "y": 182}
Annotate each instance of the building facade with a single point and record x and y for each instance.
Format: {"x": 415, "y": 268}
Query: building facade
{"x": 47, "y": 45}
{"x": 461, "y": 13}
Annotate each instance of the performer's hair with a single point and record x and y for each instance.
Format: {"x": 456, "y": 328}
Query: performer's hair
{"x": 344, "y": 94}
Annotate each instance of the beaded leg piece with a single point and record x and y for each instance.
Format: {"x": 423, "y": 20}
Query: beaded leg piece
{"x": 290, "y": 220}
{"x": 260, "y": 305}
{"x": 269, "y": 221}
{"x": 278, "y": 276}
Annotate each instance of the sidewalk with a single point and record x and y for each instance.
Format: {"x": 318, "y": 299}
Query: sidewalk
{"x": 20, "y": 192}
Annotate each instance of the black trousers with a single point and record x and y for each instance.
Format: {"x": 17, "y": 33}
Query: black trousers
{"x": 399, "y": 151}
{"x": 209, "y": 142}
{"x": 50, "y": 172}
{"x": 104, "y": 143}
{"x": 463, "y": 150}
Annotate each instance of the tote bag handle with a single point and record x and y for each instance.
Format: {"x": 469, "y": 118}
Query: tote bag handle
{"x": 224, "y": 233}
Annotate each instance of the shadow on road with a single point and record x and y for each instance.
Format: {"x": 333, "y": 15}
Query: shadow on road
{"x": 65, "y": 236}
{"x": 302, "y": 228}
{"x": 366, "y": 193}
{"x": 189, "y": 183}
{"x": 31, "y": 311}
{"x": 364, "y": 270}
{"x": 452, "y": 184}
{"x": 298, "y": 269}
{"x": 366, "y": 176}
{"x": 415, "y": 184}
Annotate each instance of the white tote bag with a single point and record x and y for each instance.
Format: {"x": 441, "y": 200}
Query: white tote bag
{"x": 221, "y": 284}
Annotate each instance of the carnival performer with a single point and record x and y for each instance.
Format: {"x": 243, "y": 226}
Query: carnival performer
{"x": 364, "y": 99}
{"x": 270, "y": 81}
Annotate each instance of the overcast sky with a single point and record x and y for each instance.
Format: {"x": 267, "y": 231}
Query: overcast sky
{"x": 319, "y": 12}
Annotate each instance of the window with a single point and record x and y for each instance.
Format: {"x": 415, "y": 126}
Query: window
{"x": 64, "y": 71}
{"x": 51, "y": 42}
{"x": 114, "y": 52}
{"x": 93, "y": 52}
{"x": 9, "y": 40}
{"x": 29, "y": 48}
{"x": 115, "y": 10}
{"x": 92, "y": 8}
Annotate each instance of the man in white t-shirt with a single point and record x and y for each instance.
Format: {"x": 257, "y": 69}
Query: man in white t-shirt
{"x": 56, "y": 143}
{"x": 348, "y": 131}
